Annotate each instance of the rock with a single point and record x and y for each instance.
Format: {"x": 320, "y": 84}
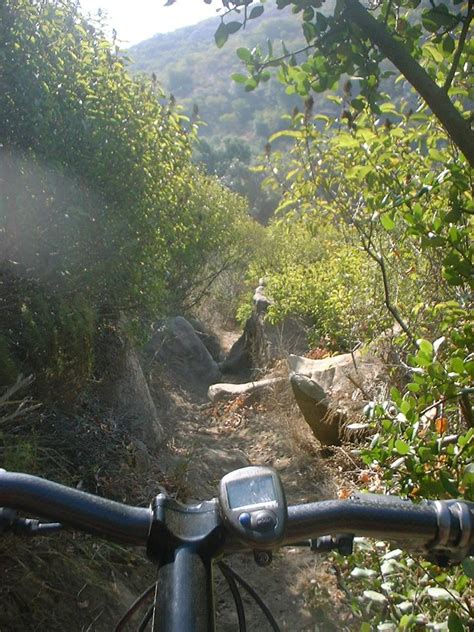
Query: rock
{"x": 250, "y": 352}
{"x": 219, "y": 392}
{"x": 260, "y": 300}
{"x": 330, "y": 390}
{"x": 209, "y": 339}
{"x": 314, "y": 404}
{"x": 123, "y": 388}
{"x": 177, "y": 347}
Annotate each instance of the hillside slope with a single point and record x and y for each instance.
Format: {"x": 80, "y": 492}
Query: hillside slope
{"x": 189, "y": 65}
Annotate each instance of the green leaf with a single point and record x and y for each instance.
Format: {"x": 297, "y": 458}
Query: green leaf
{"x": 468, "y": 474}
{"x": 402, "y": 447}
{"x": 434, "y": 52}
{"x": 454, "y": 623}
{"x": 321, "y": 21}
{"x": 286, "y": 133}
{"x": 436, "y": 155}
{"x": 387, "y": 222}
{"x": 457, "y": 365}
{"x": 448, "y": 44}
{"x": 425, "y": 347}
{"x": 468, "y": 567}
{"x": 221, "y": 35}
{"x": 233, "y": 27}
{"x": 256, "y": 12}
{"x": 448, "y": 484}
{"x": 309, "y": 31}
{"x": 405, "y": 406}
{"x": 244, "y": 54}
{"x": 239, "y": 78}
{"x": 438, "y": 17}
{"x": 358, "y": 104}
{"x": 250, "y": 84}
{"x": 407, "y": 620}
{"x": 395, "y": 395}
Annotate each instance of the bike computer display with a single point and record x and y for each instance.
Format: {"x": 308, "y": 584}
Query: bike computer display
{"x": 253, "y": 505}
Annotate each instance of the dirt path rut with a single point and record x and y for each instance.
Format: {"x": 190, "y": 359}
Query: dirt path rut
{"x": 207, "y": 442}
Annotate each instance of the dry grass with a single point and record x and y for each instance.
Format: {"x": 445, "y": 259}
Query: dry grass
{"x": 70, "y": 580}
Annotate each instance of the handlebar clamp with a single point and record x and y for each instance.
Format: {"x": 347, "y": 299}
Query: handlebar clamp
{"x": 454, "y": 541}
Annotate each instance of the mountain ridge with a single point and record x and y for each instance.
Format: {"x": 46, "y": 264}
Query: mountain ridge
{"x": 188, "y": 64}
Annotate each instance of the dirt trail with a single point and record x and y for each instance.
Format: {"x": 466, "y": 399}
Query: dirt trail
{"x": 207, "y": 442}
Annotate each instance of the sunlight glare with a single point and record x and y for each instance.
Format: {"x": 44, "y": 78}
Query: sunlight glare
{"x": 137, "y": 20}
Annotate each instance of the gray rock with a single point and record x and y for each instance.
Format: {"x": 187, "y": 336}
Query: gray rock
{"x": 177, "y": 347}
{"x": 223, "y": 391}
{"x": 260, "y": 300}
{"x": 123, "y": 388}
{"x": 250, "y": 351}
{"x": 209, "y": 339}
{"x": 330, "y": 391}
{"x": 314, "y": 404}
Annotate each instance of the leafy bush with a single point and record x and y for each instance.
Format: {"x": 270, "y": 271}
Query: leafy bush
{"x": 100, "y": 207}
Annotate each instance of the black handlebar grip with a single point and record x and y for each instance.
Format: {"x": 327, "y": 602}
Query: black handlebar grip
{"x": 93, "y": 514}
{"x": 389, "y": 519}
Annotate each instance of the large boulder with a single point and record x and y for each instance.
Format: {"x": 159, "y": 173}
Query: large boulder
{"x": 209, "y": 339}
{"x": 176, "y": 347}
{"x": 122, "y": 387}
{"x": 333, "y": 390}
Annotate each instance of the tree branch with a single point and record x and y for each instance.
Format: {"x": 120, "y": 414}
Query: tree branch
{"x": 378, "y": 258}
{"x": 436, "y": 98}
{"x": 457, "y": 54}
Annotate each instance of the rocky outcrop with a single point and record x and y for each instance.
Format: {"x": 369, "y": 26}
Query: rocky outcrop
{"x": 208, "y": 338}
{"x": 176, "y": 346}
{"x": 262, "y": 343}
{"x": 332, "y": 390}
{"x": 223, "y": 391}
{"x": 122, "y": 387}
{"x": 260, "y": 300}
{"x": 250, "y": 352}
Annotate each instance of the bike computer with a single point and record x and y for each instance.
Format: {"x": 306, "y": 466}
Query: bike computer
{"x": 253, "y": 505}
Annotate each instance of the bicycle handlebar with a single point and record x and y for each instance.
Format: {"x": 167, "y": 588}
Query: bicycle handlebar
{"x": 442, "y": 525}
{"x": 86, "y": 512}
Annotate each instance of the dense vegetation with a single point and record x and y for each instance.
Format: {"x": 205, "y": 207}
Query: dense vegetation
{"x": 101, "y": 207}
{"x": 103, "y": 211}
{"x": 104, "y": 219}
{"x": 375, "y": 213}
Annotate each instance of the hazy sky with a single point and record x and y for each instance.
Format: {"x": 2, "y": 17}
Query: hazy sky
{"x": 136, "y": 20}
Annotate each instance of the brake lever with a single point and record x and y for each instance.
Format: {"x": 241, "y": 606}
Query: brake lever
{"x": 11, "y": 522}
{"x": 342, "y": 543}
